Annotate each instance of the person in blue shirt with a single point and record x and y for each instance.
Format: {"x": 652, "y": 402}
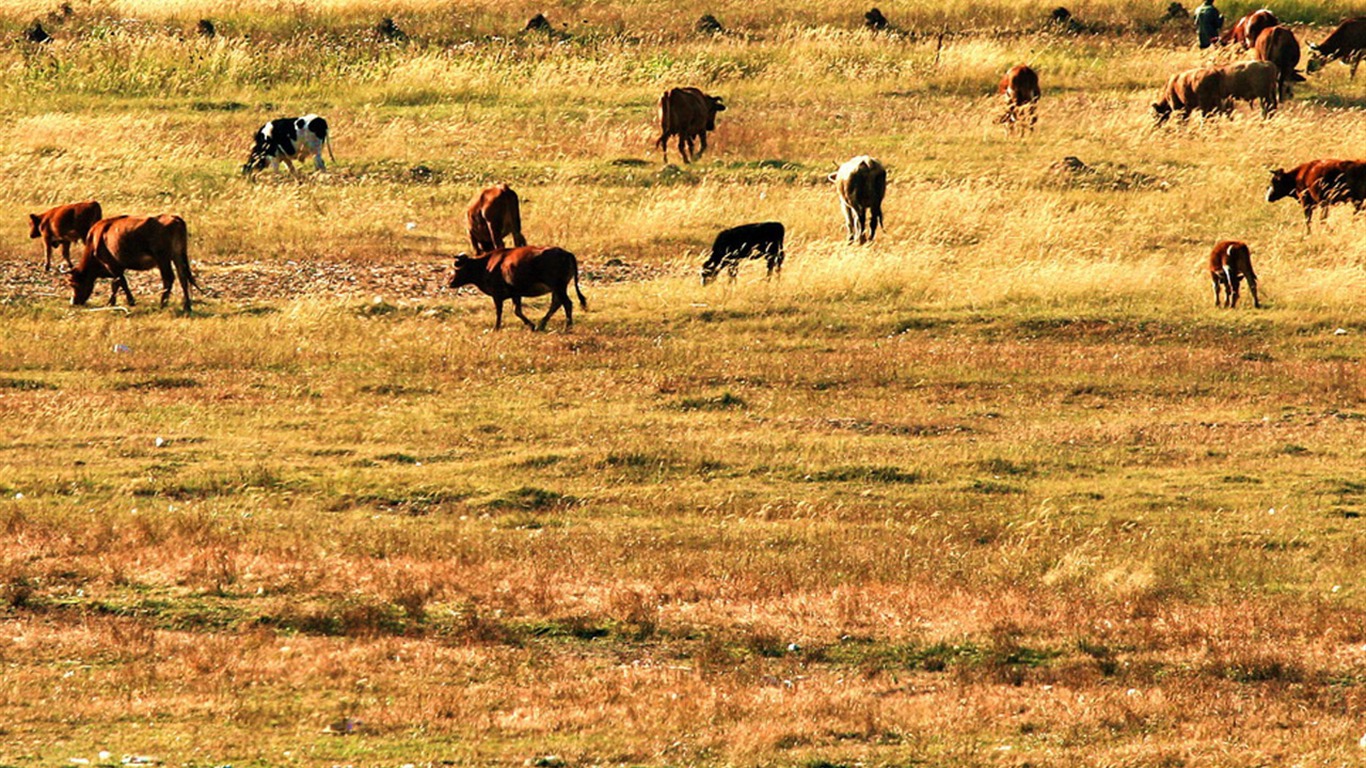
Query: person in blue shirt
{"x": 1208, "y": 23}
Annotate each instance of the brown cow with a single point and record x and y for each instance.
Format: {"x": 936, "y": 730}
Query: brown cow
{"x": 1190, "y": 90}
{"x": 1020, "y": 88}
{"x": 687, "y": 113}
{"x": 1229, "y": 263}
{"x": 63, "y": 225}
{"x": 1320, "y": 183}
{"x": 1347, "y": 44}
{"x": 1279, "y": 46}
{"x": 1244, "y": 33}
{"x": 1252, "y": 81}
{"x": 515, "y": 273}
{"x": 122, "y": 243}
{"x": 494, "y": 214}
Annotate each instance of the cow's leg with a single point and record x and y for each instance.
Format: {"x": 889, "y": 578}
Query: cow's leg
{"x": 1213, "y": 278}
{"x": 290, "y": 165}
{"x": 686, "y": 153}
{"x": 1252, "y": 286}
{"x": 1234, "y": 281}
{"x": 122, "y": 280}
{"x": 557, "y": 299}
{"x": 497, "y": 314}
{"x": 849, "y": 222}
{"x": 167, "y": 281}
{"x": 66, "y": 253}
{"x": 703, "y": 150}
{"x": 862, "y": 212}
{"x": 517, "y": 310}
{"x": 1353, "y": 62}
{"x": 874, "y": 219}
{"x": 47, "y": 257}
{"x": 114, "y": 293}
{"x": 494, "y": 237}
{"x": 318, "y": 163}
{"x": 733, "y": 270}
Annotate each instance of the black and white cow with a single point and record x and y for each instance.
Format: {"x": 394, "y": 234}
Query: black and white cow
{"x": 289, "y": 139}
{"x": 747, "y": 241}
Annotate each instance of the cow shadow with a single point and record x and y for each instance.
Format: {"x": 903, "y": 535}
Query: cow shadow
{"x": 1334, "y": 101}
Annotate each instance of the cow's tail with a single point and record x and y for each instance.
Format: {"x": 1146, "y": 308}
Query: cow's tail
{"x": 583, "y": 302}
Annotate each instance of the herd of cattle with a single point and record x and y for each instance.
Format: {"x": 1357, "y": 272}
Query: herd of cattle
{"x": 117, "y": 244}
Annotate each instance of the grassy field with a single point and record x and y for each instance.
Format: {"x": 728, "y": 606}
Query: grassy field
{"x": 1003, "y": 488}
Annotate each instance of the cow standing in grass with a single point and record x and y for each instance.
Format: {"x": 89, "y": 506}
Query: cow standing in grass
{"x": 1244, "y": 33}
{"x": 1252, "y": 81}
{"x": 1346, "y": 43}
{"x": 116, "y": 245}
{"x": 288, "y": 139}
{"x": 494, "y": 214}
{"x": 689, "y": 114}
{"x": 1320, "y": 184}
{"x": 1020, "y": 88}
{"x": 1229, "y": 263}
{"x": 516, "y": 273}
{"x": 1191, "y": 90}
{"x": 748, "y": 241}
{"x": 62, "y": 226}
{"x": 862, "y": 184}
{"x": 1279, "y": 46}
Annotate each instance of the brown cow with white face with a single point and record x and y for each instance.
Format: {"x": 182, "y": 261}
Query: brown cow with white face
{"x": 1244, "y": 33}
{"x": 516, "y": 273}
{"x": 689, "y": 114}
{"x": 1346, "y": 43}
{"x": 493, "y": 214}
{"x": 62, "y": 226}
{"x": 116, "y": 245}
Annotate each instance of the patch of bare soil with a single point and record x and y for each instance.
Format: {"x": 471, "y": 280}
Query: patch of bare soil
{"x": 247, "y": 281}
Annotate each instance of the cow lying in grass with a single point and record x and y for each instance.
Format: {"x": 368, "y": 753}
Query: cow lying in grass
{"x": 516, "y": 273}
{"x": 62, "y": 226}
{"x": 123, "y": 243}
{"x": 1229, "y": 263}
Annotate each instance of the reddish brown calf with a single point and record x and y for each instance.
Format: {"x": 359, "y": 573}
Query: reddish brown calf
{"x": 63, "y": 225}
{"x": 1229, "y": 263}
{"x": 494, "y": 214}
{"x": 516, "y": 273}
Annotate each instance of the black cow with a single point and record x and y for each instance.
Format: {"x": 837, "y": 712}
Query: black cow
{"x": 747, "y": 241}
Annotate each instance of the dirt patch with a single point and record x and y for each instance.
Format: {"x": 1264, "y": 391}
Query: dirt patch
{"x": 245, "y": 281}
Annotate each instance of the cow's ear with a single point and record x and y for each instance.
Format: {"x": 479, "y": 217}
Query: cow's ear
{"x": 462, "y": 258}
{"x": 33, "y": 219}
{"x": 832, "y": 177}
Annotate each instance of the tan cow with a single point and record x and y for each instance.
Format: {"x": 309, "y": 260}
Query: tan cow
{"x": 862, "y": 184}
{"x": 63, "y": 225}
{"x": 1252, "y": 81}
{"x": 494, "y": 214}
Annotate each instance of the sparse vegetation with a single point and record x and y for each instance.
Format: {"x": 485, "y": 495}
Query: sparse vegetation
{"x": 1002, "y": 489}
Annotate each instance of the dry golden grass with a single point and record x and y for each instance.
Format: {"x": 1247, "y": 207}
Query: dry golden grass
{"x": 1001, "y": 489}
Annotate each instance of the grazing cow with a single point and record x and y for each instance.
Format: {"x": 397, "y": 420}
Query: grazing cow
{"x": 862, "y": 183}
{"x": 515, "y": 273}
{"x": 1320, "y": 183}
{"x": 1020, "y": 88}
{"x": 494, "y": 214}
{"x": 748, "y": 241}
{"x": 1347, "y": 44}
{"x": 1279, "y": 46}
{"x": 289, "y": 139}
{"x": 687, "y": 113}
{"x": 1244, "y": 33}
{"x": 63, "y": 225}
{"x": 1229, "y": 263}
{"x": 1190, "y": 90}
{"x": 1252, "y": 81}
{"x": 123, "y": 243}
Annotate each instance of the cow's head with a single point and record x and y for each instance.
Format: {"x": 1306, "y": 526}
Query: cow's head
{"x": 1316, "y": 59}
{"x": 1162, "y": 110}
{"x": 710, "y": 270}
{"x": 714, "y": 105}
{"x": 1282, "y": 185}
{"x": 260, "y": 154}
{"x": 82, "y": 282}
{"x": 467, "y": 270}
{"x": 33, "y": 228}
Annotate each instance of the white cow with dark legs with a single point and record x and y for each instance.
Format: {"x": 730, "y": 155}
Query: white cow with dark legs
{"x": 289, "y": 139}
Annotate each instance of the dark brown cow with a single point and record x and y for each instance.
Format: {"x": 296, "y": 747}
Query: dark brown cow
{"x": 515, "y": 273}
{"x": 1229, "y": 263}
{"x": 1347, "y": 44}
{"x": 494, "y": 214}
{"x": 1244, "y": 33}
{"x": 687, "y": 113}
{"x": 122, "y": 243}
{"x": 1190, "y": 90}
{"x": 1020, "y": 88}
{"x": 1279, "y": 46}
{"x": 1321, "y": 184}
{"x": 63, "y": 225}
